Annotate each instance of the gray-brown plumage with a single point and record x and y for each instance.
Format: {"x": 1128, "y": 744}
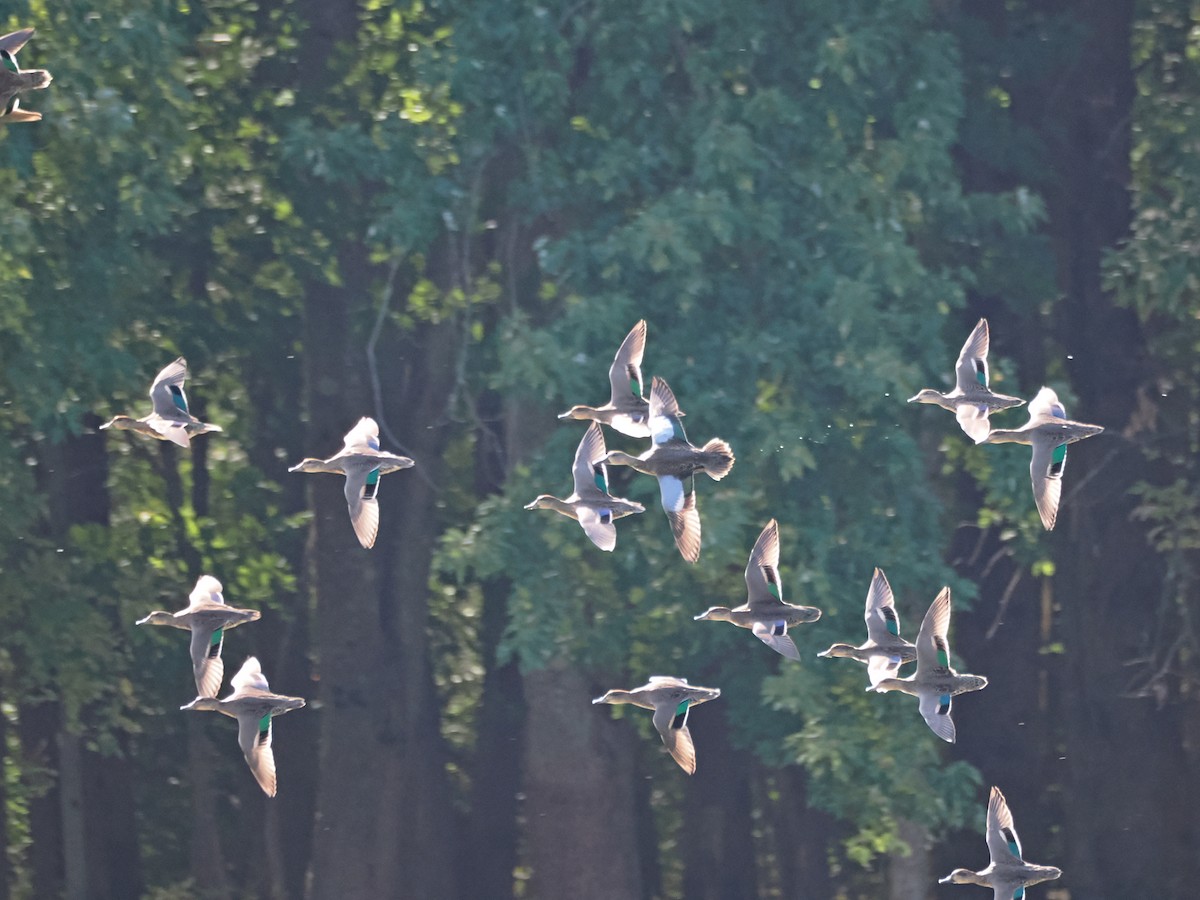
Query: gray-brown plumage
{"x": 253, "y": 705}
{"x": 765, "y": 613}
{"x": 671, "y": 699}
{"x": 590, "y": 504}
{"x": 1007, "y": 874}
{"x": 14, "y": 80}
{"x": 207, "y": 618}
{"x": 674, "y": 461}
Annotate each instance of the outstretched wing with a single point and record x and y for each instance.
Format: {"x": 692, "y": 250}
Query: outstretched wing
{"x": 1003, "y": 844}
{"x": 254, "y": 737}
{"x": 763, "y": 586}
{"x": 1045, "y": 471}
{"x": 166, "y": 393}
{"x": 250, "y": 675}
{"x": 775, "y": 636}
{"x": 364, "y": 508}
{"x": 664, "y": 413}
{"x": 935, "y": 710}
{"x": 625, "y": 374}
{"x": 671, "y": 722}
{"x": 15, "y": 40}
{"x": 363, "y": 437}
{"x": 598, "y": 525}
{"x": 679, "y": 502}
{"x": 207, "y": 665}
{"x": 971, "y": 369}
{"x": 589, "y": 474}
{"x": 883, "y": 623}
{"x": 933, "y": 648}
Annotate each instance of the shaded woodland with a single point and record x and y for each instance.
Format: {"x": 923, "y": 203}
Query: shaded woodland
{"x": 446, "y": 215}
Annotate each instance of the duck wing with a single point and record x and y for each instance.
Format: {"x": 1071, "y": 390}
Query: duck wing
{"x": 15, "y": 40}
{"x": 207, "y": 666}
{"x": 679, "y": 502}
{"x": 775, "y": 636}
{"x": 1003, "y": 844}
{"x": 1045, "y": 471}
{"x": 588, "y": 471}
{"x": 625, "y": 374}
{"x": 254, "y": 737}
{"x": 664, "y": 414}
{"x": 971, "y": 369}
{"x": 670, "y": 719}
{"x": 763, "y": 587}
{"x": 363, "y": 437}
{"x": 933, "y": 648}
{"x": 598, "y": 525}
{"x": 883, "y": 622}
{"x": 166, "y": 393}
{"x": 935, "y": 710}
{"x": 364, "y": 508}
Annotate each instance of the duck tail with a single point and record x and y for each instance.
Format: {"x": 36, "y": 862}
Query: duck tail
{"x": 35, "y": 79}
{"x": 718, "y": 459}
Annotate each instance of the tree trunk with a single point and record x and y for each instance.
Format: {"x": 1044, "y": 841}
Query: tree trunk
{"x": 909, "y": 875}
{"x": 579, "y": 809}
{"x": 718, "y": 843}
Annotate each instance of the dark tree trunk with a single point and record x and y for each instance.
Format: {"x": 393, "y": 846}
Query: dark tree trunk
{"x": 496, "y": 773}
{"x": 717, "y": 843}
{"x": 38, "y": 728}
{"x": 801, "y": 837}
{"x": 1106, "y": 575}
{"x": 579, "y": 810}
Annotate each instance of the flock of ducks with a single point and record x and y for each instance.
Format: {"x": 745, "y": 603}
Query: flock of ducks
{"x": 207, "y": 616}
{"x": 675, "y": 461}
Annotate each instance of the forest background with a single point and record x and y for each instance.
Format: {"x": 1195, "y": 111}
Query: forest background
{"x": 447, "y": 215}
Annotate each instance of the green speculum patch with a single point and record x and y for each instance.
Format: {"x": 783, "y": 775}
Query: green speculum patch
{"x": 373, "y": 477}
{"x": 264, "y": 724}
{"x": 216, "y": 637}
{"x": 1060, "y": 454}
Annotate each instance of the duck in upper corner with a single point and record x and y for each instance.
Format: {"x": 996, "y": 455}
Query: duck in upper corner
{"x": 626, "y": 409}
{"x": 14, "y": 80}
{"x": 674, "y": 461}
{"x": 207, "y": 618}
{"x": 884, "y": 651}
{"x": 362, "y": 463}
{"x": 1007, "y": 874}
{"x": 1048, "y": 431}
{"x": 765, "y": 613}
{"x": 253, "y": 705}
{"x": 170, "y": 420}
{"x": 971, "y": 400}
{"x": 590, "y": 504}
{"x": 935, "y": 682}
{"x": 671, "y": 699}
